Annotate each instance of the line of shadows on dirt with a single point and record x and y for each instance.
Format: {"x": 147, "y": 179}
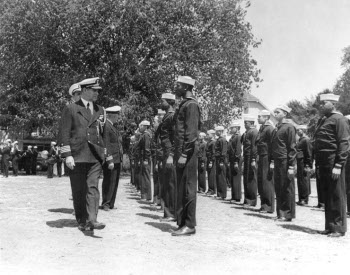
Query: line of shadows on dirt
{"x": 245, "y": 208}
{"x": 259, "y": 216}
{"x": 152, "y": 216}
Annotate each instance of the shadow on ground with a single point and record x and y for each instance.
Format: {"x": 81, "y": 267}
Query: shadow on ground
{"x": 151, "y": 208}
{"x": 299, "y": 228}
{"x": 61, "y": 210}
{"x": 259, "y": 216}
{"x": 155, "y": 217}
{"x": 164, "y": 227}
{"x": 245, "y": 208}
{"x": 61, "y": 223}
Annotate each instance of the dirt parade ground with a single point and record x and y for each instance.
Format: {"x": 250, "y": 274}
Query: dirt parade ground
{"x": 39, "y": 235}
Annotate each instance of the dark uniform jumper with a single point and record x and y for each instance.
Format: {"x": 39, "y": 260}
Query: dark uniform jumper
{"x": 304, "y": 158}
{"x": 283, "y": 154}
{"x": 210, "y": 154}
{"x": 331, "y": 150}
{"x": 167, "y": 132}
{"x": 220, "y": 156}
{"x": 249, "y": 173}
{"x": 234, "y": 155}
{"x": 265, "y": 182}
{"x": 186, "y": 133}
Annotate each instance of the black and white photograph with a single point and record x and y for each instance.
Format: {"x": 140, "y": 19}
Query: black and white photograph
{"x": 174, "y": 137}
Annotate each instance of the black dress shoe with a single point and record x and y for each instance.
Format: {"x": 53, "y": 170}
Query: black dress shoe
{"x": 184, "y": 231}
{"x": 97, "y": 225}
{"x": 106, "y": 208}
{"x": 336, "y": 234}
{"x": 168, "y": 219}
{"x": 81, "y": 226}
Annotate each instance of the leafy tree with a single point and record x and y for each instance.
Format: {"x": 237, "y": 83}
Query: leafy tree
{"x": 137, "y": 47}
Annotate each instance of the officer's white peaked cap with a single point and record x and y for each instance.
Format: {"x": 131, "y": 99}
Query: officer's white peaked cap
{"x": 74, "y": 88}
{"x": 219, "y": 128}
{"x": 93, "y": 83}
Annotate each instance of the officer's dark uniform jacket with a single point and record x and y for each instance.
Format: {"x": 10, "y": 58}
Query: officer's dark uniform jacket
{"x": 283, "y": 143}
{"x": 186, "y": 132}
{"x": 234, "y": 149}
{"x": 332, "y": 140}
{"x": 263, "y": 141}
{"x": 167, "y": 134}
{"x": 113, "y": 143}
{"x": 304, "y": 150}
{"x": 80, "y": 133}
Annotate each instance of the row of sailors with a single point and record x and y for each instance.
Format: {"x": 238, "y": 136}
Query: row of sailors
{"x": 266, "y": 158}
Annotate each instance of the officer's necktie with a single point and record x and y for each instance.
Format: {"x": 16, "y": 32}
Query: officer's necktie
{"x": 88, "y": 107}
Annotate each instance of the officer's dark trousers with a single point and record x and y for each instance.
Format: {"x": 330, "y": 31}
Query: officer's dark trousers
{"x": 15, "y": 166}
{"x": 335, "y": 199}
{"x": 250, "y": 183}
{"x": 110, "y": 184}
{"x": 236, "y": 182}
{"x": 187, "y": 192}
{"x": 84, "y": 183}
{"x": 145, "y": 179}
{"x": 201, "y": 175}
{"x": 160, "y": 194}
{"x": 50, "y": 170}
{"x": 320, "y": 189}
{"x": 169, "y": 189}
{"x": 265, "y": 180}
{"x": 285, "y": 190}
{"x": 221, "y": 180}
{"x": 212, "y": 178}
{"x": 303, "y": 181}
